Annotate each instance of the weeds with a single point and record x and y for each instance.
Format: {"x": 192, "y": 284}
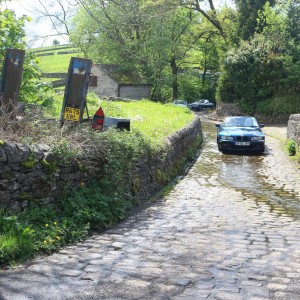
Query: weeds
{"x": 291, "y": 147}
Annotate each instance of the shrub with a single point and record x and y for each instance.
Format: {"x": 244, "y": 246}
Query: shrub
{"x": 258, "y": 74}
{"x": 291, "y": 147}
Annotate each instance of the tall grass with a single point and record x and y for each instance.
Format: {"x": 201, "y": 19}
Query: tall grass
{"x": 57, "y": 63}
{"x": 16, "y": 238}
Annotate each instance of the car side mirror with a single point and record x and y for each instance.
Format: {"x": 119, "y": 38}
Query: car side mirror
{"x": 218, "y": 125}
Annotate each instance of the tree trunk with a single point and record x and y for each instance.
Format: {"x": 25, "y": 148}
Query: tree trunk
{"x": 175, "y": 77}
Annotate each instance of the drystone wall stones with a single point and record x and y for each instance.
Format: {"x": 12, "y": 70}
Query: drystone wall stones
{"x": 152, "y": 172}
{"x": 293, "y": 128}
{"x": 35, "y": 174}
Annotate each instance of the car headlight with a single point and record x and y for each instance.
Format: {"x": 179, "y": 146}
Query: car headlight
{"x": 226, "y": 138}
{"x": 258, "y": 138}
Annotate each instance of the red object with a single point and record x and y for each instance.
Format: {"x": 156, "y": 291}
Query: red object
{"x": 98, "y": 119}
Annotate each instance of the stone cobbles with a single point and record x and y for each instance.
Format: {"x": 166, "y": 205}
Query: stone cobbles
{"x": 228, "y": 230}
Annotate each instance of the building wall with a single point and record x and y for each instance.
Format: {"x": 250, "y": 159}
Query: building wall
{"x": 106, "y": 86}
{"x": 136, "y": 92}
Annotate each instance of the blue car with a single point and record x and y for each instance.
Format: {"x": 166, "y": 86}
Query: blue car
{"x": 240, "y": 133}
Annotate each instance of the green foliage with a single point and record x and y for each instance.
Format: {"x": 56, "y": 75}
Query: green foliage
{"x": 293, "y": 19}
{"x": 16, "y": 238}
{"x": 64, "y": 151}
{"x": 123, "y": 149}
{"x": 30, "y": 162}
{"x": 52, "y": 229}
{"x": 197, "y": 86}
{"x": 33, "y": 88}
{"x": 279, "y": 106}
{"x": 260, "y": 72}
{"x": 291, "y": 147}
{"x": 50, "y": 166}
{"x": 248, "y": 17}
{"x": 11, "y": 31}
{"x": 94, "y": 207}
{"x": 75, "y": 216}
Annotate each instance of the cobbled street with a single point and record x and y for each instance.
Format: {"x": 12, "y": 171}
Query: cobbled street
{"x": 230, "y": 229}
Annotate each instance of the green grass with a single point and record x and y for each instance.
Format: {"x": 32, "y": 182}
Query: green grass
{"x": 152, "y": 119}
{"x": 57, "y": 63}
{"x": 155, "y": 120}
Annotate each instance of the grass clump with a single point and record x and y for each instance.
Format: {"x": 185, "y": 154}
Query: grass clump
{"x": 16, "y": 239}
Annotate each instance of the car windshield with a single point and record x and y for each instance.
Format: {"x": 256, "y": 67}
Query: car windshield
{"x": 240, "y": 122}
{"x": 182, "y": 102}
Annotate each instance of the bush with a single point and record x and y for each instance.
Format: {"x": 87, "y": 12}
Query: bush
{"x": 257, "y": 74}
{"x": 291, "y": 147}
{"x": 279, "y": 106}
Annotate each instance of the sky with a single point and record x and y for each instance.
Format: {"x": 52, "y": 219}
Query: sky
{"x": 35, "y": 32}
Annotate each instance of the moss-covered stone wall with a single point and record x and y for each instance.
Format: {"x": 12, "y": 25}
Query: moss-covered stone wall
{"x": 34, "y": 173}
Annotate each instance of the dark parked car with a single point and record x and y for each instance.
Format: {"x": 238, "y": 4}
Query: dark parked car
{"x": 201, "y": 105}
{"x": 240, "y": 133}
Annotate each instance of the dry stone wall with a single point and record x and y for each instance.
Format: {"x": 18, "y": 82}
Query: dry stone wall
{"x": 293, "y": 128}
{"x": 152, "y": 172}
{"x": 35, "y": 174}
{"x": 227, "y": 109}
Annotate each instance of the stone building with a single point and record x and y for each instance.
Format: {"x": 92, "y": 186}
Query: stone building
{"x": 112, "y": 82}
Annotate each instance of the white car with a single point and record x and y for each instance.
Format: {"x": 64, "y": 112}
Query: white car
{"x": 181, "y": 103}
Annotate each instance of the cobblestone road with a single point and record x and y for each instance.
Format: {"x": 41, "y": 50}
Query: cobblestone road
{"x": 230, "y": 229}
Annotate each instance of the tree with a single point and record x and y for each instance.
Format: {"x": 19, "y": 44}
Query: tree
{"x": 259, "y": 70}
{"x": 11, "y": 31}
{"x": 293, "y": 19}
{"x": 248, "y": 14}
{"x": 58, "y": 13}
{"x": 146, "y": 38}
{"x": 55, "y": 42}
{"x": 211, "y": 14}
